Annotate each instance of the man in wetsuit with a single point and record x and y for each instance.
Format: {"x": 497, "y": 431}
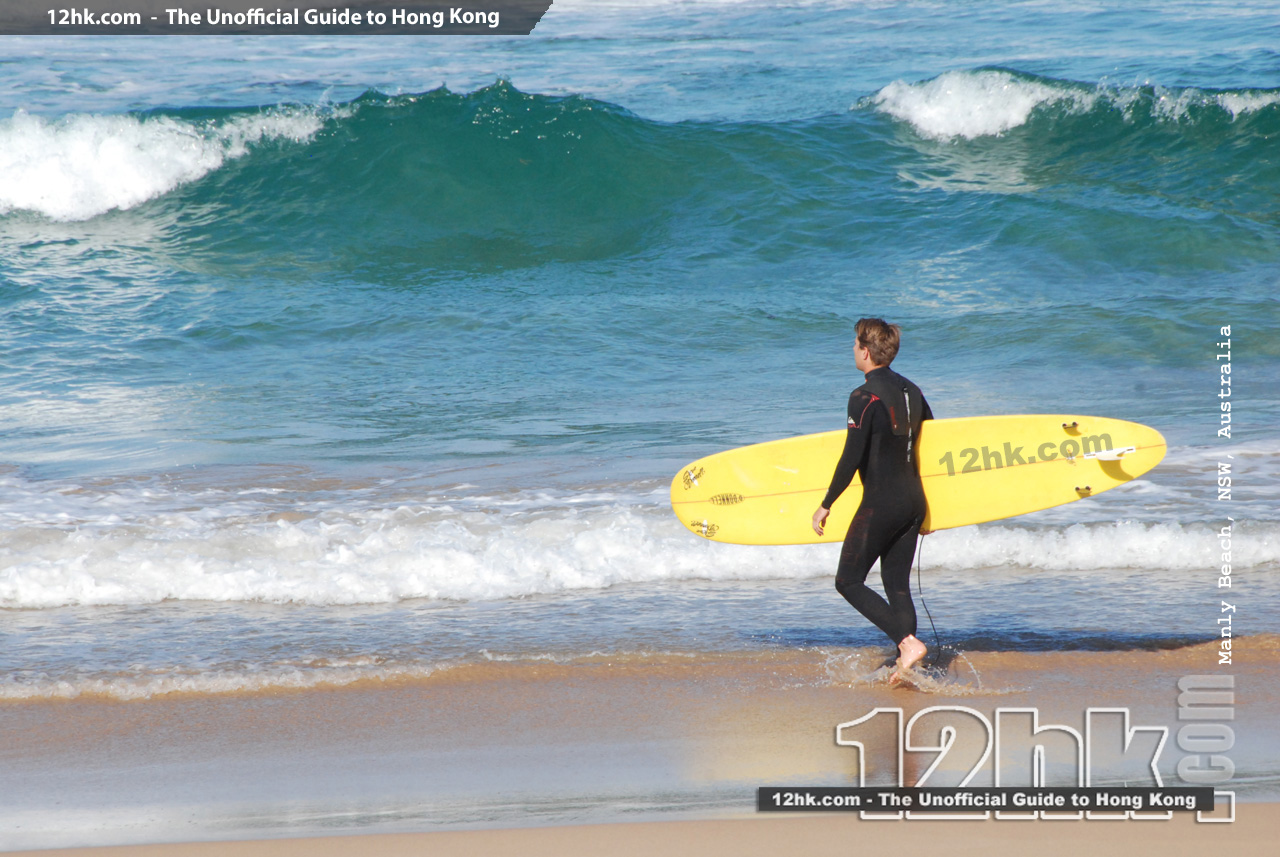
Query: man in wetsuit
{"x": 885, "y": 415}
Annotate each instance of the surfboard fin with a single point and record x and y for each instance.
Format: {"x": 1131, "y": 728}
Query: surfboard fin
{"x": 1111, "y": 454}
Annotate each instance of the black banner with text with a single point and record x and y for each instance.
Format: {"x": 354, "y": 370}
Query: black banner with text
{"x": 252, "y": 17}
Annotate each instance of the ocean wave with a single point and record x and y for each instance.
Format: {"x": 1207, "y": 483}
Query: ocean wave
{"x": 84, "y": 165}
{"x": 975, "y": 104}
{"x": 971, "y": 104}
{"x": 1083, "y": 547}
{"x": 506, "y": 178}
{"x": 460, "y": 551}
{"x": 136, "y": 544}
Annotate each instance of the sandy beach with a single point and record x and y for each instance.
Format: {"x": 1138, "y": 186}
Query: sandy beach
{"x": 621, "y": 755}
{"x": 1252, "y": 832}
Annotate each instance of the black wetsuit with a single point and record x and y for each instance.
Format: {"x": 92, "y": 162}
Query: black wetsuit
{"x": 884, "y": 429}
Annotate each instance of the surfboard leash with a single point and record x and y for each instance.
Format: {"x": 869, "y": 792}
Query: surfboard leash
{"x": 937, "y": 640}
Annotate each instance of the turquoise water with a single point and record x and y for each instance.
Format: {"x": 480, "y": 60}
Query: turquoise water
{"x": 636, "y": 236}
{"x": 298, "y": 328}
{"x": 443, "y": 279}
{"x": 325, "y": 360}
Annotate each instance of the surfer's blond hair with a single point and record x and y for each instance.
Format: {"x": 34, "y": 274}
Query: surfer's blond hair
{"x": 880, "y": 338}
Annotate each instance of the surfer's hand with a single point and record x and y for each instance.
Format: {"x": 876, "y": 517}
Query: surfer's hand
{"x": 820, "y": 519}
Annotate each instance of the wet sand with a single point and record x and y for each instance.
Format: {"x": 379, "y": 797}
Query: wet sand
{"x": 611, "y": 755}
{"x": 1253, "y": 832}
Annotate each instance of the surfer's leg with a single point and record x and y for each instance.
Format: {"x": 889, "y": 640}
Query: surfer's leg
{"x": 895, "y": 574}
{"x": 861, "y": 548}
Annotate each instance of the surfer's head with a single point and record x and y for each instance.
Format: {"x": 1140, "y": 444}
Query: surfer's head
{"x": 879, "y": 338}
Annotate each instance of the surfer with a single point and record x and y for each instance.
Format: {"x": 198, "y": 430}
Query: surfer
{"x": 885, "y": 415}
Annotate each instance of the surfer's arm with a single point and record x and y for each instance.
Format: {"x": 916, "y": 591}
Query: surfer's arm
{"x": 820, "y": 519}
{"x": 855, "y": 446}
{"x": 847, "y": 466}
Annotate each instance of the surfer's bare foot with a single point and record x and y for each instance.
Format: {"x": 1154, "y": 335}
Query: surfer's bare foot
{"x": 911, "y": 652}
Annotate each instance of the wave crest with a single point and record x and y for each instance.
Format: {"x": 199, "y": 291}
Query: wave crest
{"x": 978, "y": 103}
{"x": 85, "y": 165}
{"x": 138, "y": 544}
{"x": 974, "y": 104}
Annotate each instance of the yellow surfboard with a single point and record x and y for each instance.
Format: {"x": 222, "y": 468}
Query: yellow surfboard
{"x": 974, "y": 469}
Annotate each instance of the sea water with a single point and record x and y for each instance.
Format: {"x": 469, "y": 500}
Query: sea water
{"x": 330, "y": 359}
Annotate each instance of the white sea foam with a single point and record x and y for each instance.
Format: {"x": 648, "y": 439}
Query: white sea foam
{"x": 141, "y": 684}
{"x": 1080, "y": 547}
{"x": 370, "y": 556}
{"x": 973, "y": 104}
{"x": 1242, "y": 103}
{"x": 989, "y": 103}
{"x": 83, "y": 165}
{"x": 1174, "y": 105}
{"x": 135, "y": 544}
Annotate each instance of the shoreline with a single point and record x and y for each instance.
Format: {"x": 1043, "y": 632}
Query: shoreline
{"x": 601, "y": 744}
